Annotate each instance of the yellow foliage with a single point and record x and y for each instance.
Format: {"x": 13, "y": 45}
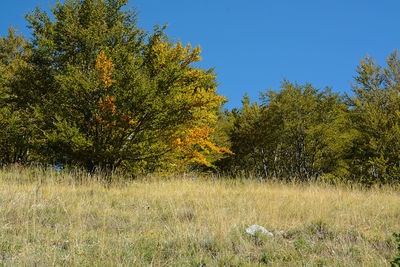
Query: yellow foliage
{"x": 184, "y": 55}
{"x": 195, "y": 139}
{"x": 195, "y": 97}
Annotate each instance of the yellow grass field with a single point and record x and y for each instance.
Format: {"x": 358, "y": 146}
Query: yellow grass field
{"x": 53, "y": 218}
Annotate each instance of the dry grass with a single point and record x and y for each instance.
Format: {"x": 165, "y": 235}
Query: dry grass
{"x": 48, "y": 218}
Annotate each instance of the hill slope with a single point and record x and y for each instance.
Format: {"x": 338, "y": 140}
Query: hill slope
{"x": 48, "y": 218}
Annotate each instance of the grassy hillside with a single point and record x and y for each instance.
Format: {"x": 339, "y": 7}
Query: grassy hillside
{"x": 48, "y": 218}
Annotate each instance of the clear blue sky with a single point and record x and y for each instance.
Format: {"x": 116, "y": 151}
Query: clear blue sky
{"x": 254, "y": 44}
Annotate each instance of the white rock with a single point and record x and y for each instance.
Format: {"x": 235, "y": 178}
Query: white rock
{"x": 39, "y": 205}
{"x": 252, "y": 230}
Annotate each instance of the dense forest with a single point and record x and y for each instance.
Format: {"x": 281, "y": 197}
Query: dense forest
{"x": 90, "y": 89}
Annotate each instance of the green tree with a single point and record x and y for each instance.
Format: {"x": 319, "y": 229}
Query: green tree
{"x": 289, "y": 135}
{"x": 375, "y": 118}
{"x": 307, "y": 116}
{"x": 253, "y": 134}
{"x": 14, "y": 130}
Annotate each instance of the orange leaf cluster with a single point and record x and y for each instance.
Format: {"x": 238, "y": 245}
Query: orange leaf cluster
{"x": 105, "y": 66}
{"x": 108, "y": 107}
{"x": 109, "y": 118}
{"x": 108, "y": 104}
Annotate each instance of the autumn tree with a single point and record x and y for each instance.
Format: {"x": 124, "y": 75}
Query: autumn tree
{"x": 108, "y": 94}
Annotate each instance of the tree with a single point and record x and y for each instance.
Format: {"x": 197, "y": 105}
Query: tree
{"x": 307, "y": 117}
{"x": 253, "y": 134}
{"x": 288, "y": 135}
{"x": 108, "y": 94}
{"x": 375, "y": 118}
{"x": 14, "y": 131}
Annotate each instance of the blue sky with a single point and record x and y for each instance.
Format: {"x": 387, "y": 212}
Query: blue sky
{"x": 254, "y": 44}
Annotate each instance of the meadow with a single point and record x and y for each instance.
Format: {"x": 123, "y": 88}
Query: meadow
{"x": 52, "y": 218}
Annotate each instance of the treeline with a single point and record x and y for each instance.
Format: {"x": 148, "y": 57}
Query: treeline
{"x": 306, "y": 133}
{"x": 91, "y": 89}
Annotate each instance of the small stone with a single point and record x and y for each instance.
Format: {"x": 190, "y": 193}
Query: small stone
{"x": 254, "y": 229}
